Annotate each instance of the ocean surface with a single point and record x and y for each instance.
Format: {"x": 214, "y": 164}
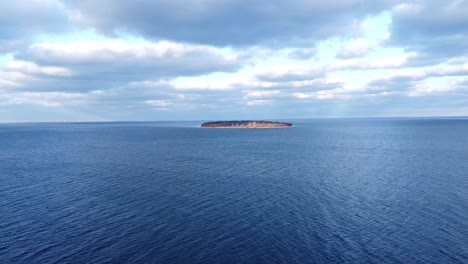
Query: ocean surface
{"x": 323, "y": 191}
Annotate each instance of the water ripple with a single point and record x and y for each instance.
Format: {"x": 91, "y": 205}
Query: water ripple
{"x": 324, "y": 191}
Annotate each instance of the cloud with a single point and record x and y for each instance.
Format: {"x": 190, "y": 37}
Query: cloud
{"x": 226, "y": 22}
{"x": 92, "y": 65}
{"x": 13, "y": 79}
{"x": 419, "y": 83}
{"x": 282, "y": 74}
{"x": 159, "y": 103}
{"x": 32, "y": 68}
{"x": 262, "y": 94}
{"x": 435, "y": 30}
{"x": 164, "y": 57}
{"x": 390, "y": 62}
{"x": 321, "y": 95}
{"x": 427, "y": 88}
{"x": 302, "y": 53}
{"x": 222, "y": 58}
{"x": 24, "y": 19}
{"x": 203, "y": 86}
{"x": 450, "y": 70}
{"x": 48, "y": 99}
{"x": 11, "y": 45}
{"x": 397, "y": 82}
{"x": 259, "y": 102}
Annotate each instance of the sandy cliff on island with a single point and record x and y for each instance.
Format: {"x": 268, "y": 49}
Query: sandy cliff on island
{"x": 245, "y": 124}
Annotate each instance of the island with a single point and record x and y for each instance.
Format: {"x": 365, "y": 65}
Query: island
{"x": 246, "y": 124}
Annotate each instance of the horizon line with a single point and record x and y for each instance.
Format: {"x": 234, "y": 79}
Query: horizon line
{"x": 256, "y": 119}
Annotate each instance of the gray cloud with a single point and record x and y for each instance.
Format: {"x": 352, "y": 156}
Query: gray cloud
{"x": 435, "y": 30}
{"x": 302, "y": 53}
{"x": 86, "y": 66}
{"x": 226, "y": 22}
{"x": 395, "y": 83}
{"x": 7, "y": 46}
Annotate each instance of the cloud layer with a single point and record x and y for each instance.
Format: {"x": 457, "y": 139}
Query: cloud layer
{"x": 161, "y": 60}
{"x": 226, "y": 22}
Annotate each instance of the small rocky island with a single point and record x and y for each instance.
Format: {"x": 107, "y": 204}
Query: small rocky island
{"x": 246, "y": 124}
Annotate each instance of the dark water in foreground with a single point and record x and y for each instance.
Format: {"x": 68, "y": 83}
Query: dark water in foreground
{"x": 324, "y": 191}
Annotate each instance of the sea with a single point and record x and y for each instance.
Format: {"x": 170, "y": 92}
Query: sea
{"x": 377, "y": 190}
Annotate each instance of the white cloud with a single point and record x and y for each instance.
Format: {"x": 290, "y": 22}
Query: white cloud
{"x": 262, "y": 94}
{"x": 202, "y": 86}
{"x": 287, "y": 73}
{"x": 13, "y": 79}
{"x": 389, "y": 62}
{"x": 28, "y": 67}
{"x": 450, "y": 70}
{"x": 436, "y": 86}
{"x": 159, "y": 103}
{"x": 323, "y": 94}
{"x": 109, "y": 50}
{"x": 259, "y": 102}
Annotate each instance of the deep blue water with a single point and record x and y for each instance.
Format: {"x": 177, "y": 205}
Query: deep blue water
{"x": 323, "y": 191}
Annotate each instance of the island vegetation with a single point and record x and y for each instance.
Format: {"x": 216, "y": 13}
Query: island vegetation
{"x": 246, "y": 124}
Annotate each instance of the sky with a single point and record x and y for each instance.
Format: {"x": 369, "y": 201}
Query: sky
{"x": 116, "y": 60}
